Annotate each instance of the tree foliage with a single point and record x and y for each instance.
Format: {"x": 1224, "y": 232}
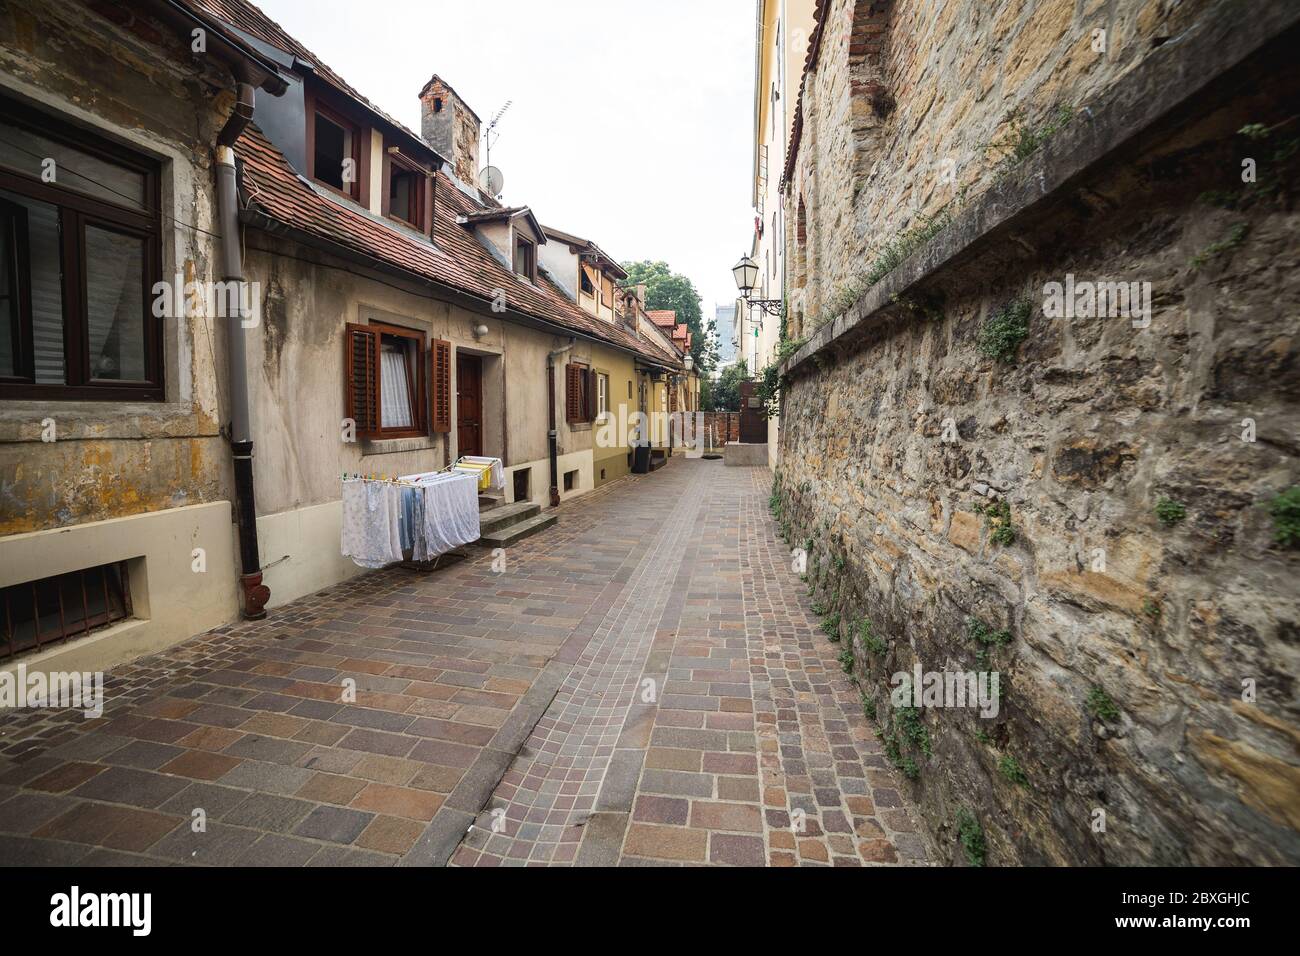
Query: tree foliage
{"x": 724, "y": 395}
{"x": 666, "y": 289}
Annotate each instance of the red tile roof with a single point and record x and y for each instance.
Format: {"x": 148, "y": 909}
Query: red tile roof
{"x": 456, "y": 259}
{"x": 664, "y": 318}
{"x": 244, "y": 16}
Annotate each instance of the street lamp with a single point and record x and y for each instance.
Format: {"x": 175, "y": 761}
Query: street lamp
{"x": 688, "y": 361}
{"x": 746, "y": 273}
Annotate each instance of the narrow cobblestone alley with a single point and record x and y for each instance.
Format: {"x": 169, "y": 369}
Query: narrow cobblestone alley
{"x": 643, "y": 684}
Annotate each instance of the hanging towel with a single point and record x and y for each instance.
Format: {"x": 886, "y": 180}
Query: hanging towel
{"x": 413, "y": 539}
{"x": 497, "y": 481}
{"x": 371, "y": 533}
{"x": 450, "y": 512}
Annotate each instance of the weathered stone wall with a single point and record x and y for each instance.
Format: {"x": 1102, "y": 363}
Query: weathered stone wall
{"x": 908, "y": 95}
{"x": 894, "y": 436}
{"x": 116, "y": 71}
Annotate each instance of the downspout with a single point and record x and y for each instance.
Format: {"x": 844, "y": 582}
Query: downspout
{"x": 552, "y": 434}
{"x": 255, "y": 593}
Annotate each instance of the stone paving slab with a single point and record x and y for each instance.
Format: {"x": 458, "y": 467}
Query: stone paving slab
{"x": 643, "y": 685}
{"x": 751, "y": 749}
{"x": 248, "y": 727}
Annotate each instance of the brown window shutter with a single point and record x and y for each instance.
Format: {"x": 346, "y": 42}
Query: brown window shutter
{"x": 672, "y": 396}
{"x": 591, "y": 396}
{"x": 361, "y": 345}
{"x": 440, "y": 384}
{"x": 572, "y": 393}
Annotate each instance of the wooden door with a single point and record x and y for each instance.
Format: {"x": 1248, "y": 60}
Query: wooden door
{"x": 753, "y": 418}
{"x": 469, "y": 405}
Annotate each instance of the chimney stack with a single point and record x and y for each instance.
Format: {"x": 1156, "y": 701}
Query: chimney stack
{"x": 451, "y": 128}
{"x": 640, "y": 293}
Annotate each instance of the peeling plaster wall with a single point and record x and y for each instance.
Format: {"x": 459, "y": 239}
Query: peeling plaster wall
{"x": 297, "y": 372}
{"x": 141, "y": 481}
{"x": 133, "y": 83}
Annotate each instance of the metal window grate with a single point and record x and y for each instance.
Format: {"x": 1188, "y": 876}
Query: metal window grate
{"x": 39, "y": 613}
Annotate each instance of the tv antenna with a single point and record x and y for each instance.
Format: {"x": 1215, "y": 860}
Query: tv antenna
{"x": 492, "y": 134}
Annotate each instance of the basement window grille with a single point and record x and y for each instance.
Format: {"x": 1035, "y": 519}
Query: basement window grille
{"x": 53, "y": 609}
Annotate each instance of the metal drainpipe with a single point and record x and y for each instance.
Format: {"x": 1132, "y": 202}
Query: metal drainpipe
{"x": 552, "y": 434}
{"x": 255, "y": 593}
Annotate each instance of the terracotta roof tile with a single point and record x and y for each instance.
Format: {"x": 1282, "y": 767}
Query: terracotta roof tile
{"x": 248, "y": 18}
{"x": 455, "y": 259}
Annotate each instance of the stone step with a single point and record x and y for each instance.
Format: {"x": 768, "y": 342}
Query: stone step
{"x": 504, "y": 516}
{"x": 491, "y": 499}
{"x": 505, "y": 537}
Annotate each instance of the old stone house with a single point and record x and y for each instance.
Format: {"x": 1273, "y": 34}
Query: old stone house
{"x": 396, "y": 318}
{"x": 783, "y": 31}
{"x": 1078, "y": 496}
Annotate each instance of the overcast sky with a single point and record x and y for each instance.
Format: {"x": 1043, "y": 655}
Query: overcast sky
{"x": 631, "y": 122}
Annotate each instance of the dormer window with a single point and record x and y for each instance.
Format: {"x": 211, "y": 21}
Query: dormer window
{"x": 525, "y": 258}
{"x": 335, "y": 151}
{"x": 588, "y": 288}
{"x": 406, "y": 196}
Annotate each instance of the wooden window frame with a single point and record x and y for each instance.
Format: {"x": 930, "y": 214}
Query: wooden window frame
{"x": 360, "y": 188}
{"x": 423, "y": 200}
{"x": 76, "y": 211}
{"x": 530, "y": 260}
{"x": 418, "y": 371}
{"x": 601, "y": 380}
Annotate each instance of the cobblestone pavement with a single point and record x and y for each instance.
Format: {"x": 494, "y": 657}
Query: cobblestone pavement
{"x": 707, "y": 722}
{"x": 517, "y": 700}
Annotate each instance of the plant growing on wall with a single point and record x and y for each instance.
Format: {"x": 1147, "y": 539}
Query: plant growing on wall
{"x": 1170, "y": 512}
{"x": 1285, "y": 509}
{"x": 769, "y": 391}
{"x": 997, "y": 518}
{"x": 1010, "y": 768}
{"x": 1235, "y": 237}
{"x": 971, "y": 836}
{"x": 1100, "y": 705}
{"x": 987, "y": 638}
{"x": 1001, "y": 335}
{"x": 871, "y": 642}
{"x": 1021, "y": 140}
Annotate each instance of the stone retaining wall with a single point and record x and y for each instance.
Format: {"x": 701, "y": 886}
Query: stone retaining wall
{"x": 1004, "y": 514}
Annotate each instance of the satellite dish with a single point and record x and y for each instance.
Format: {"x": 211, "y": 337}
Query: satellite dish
{"x": 491, "y": 180}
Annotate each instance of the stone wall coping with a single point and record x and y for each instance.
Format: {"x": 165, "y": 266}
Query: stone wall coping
{"x": 1171, "y": 77}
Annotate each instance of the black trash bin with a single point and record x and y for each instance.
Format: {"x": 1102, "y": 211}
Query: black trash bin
{"x": 641, "y": 460}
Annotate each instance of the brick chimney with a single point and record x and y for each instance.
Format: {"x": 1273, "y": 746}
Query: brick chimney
{"x": 450, "y": 127}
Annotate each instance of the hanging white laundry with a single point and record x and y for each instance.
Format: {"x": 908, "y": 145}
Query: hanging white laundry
{"x": 371, "y": 533}
{"x": 450, "y": 512}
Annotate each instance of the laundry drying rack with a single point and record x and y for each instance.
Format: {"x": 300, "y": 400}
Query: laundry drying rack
{"x": 374, "y": 536}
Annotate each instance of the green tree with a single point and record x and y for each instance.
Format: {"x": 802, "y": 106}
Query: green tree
{"x": 725, "y": 392}
{"x": 665, "y": 289}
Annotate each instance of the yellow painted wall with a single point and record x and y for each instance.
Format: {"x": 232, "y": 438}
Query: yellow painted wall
{"x": 609, "y": 457}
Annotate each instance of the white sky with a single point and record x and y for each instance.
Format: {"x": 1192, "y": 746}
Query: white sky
{"x": 632, "y": 121}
